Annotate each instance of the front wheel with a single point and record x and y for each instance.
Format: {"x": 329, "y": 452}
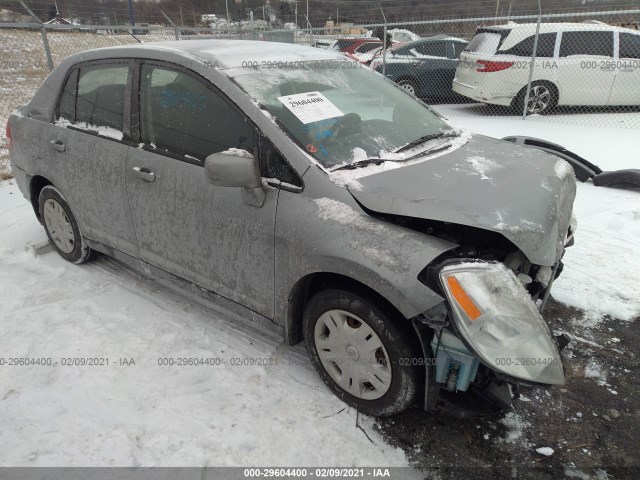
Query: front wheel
{"x": 409, "y": 86}
{"x": 362, "y": 356}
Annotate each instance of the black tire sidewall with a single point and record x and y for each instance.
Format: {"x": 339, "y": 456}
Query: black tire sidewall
{"x": 80, "y": 251}
{"x": 404, "y": 374}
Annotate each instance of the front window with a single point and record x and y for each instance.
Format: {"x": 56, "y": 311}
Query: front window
{"x": 342, "y": 113}
{"x": 184, "y": 116}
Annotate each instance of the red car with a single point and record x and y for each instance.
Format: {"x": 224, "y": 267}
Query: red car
{"x": 359, "y": 49}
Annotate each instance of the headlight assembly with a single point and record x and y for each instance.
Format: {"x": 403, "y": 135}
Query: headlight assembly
{"x": 498, "y": 319}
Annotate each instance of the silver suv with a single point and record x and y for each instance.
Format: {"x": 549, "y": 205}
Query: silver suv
{"x": 315, "y": 198}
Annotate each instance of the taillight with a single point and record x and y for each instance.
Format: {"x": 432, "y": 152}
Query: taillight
{"x": 8, "y": 135}
{"x": 486, "y": 66}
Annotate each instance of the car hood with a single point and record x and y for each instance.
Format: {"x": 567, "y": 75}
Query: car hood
{"x": 524, "y": 194}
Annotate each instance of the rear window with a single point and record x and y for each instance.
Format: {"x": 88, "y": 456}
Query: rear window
{"x": 101, "y": 92}
{"x": 433, "y": 49}
{"x": 587, "y": 43}
{"x": 367, "y": 47}
{"x": 484, "y": 42}
{"x": 629, "y": 45}
{"x": 546, "y": 46}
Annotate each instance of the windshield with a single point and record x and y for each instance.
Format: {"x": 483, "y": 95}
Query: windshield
{"x": 340, "y": 112}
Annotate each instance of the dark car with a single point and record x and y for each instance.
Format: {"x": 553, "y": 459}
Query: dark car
{"x": 425, "y": 68}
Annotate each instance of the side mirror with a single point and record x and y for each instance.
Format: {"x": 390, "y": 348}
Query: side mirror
{"x": 232, "y": 170}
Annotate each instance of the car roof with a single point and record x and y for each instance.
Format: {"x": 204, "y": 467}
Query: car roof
{"x": 435, "y": 38}
{"x": 224, "y": 53}
{"x": 554, "y": 27}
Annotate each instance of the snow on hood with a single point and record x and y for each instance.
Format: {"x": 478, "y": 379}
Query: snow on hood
{"x": 520, "y": 193}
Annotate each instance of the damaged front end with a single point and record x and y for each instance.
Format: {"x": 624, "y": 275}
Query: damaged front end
{"x": 488, "y": 338}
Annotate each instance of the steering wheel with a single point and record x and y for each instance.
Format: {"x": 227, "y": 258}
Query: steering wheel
{"x": 347, "y": 125}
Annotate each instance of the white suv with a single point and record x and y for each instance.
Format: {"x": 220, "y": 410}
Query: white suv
{"x": 586, "y": 64}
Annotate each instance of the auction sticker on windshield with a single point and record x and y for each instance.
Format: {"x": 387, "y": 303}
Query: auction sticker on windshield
{"x": 310, "y": 107}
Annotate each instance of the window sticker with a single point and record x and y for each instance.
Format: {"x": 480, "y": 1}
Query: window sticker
{"x": 310, "y": 107}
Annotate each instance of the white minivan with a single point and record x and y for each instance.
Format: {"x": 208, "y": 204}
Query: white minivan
{"x": 588, "y": 64}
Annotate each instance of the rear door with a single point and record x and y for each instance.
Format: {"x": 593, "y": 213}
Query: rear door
{"x": 209, "y": 235}
{"x": 585, "y": 67}
{"x": 87, "y": 148}
{"x": 626, "y": 86}
{"x": 434, "y": 68}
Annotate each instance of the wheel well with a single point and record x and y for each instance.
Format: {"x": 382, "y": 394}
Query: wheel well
{"x": 407, "y": 77}
{"x": 35, "y": 187}
{"x": 313, "y": 283}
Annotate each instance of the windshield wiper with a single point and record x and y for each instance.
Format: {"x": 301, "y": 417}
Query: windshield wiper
{"x": 362, "y": 163}
{"x": 424, "y": 139}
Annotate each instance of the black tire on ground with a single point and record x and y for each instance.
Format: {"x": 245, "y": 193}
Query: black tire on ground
{"x": 409, "y": 85}
{"x": 405, "y": 375}
{"x": 518, "y": 102}
{"x": 79, "y": 250}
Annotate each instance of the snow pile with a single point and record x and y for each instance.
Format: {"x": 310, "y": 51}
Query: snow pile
{"x": 546, "y": 451}
{"x": 237, "y": 152}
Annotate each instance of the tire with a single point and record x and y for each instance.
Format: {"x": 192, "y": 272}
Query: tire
{"x": 61, "y": 226}
{"x": 542, "y": 99}
{"x": 409, "y": 86}
{"x": 376, "y": 381}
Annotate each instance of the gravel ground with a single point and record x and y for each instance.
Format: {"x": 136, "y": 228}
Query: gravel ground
{"x": 591, "y": 423}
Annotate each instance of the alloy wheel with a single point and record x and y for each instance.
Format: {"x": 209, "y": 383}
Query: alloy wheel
{"x": 539, "y": 99}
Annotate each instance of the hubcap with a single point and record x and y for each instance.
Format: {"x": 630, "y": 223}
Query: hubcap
{"x": 409, "y": 88}
{"x": 352, "y": 354}
{"x": 59, "y": 226}
{"x": 539, "y": 99}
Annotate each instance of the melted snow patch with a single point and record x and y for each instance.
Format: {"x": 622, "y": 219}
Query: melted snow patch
{"x": 482, "y": 166}
{"x": 337, "y": 211}
{"x": 595, "y": 371}
{"x": 516, "y": 425}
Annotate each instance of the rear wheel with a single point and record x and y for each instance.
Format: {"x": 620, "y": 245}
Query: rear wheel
{"x": 61, "y": 226}
{"x": 543, "y": 98}
{"x": 409, "y": 86}
{"x": 360, "y": 353}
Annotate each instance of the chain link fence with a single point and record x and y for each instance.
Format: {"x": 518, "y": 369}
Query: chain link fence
{"x": 582, "y": 68}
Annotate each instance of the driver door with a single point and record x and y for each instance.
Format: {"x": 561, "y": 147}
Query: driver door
{"x": 206, "y": 234}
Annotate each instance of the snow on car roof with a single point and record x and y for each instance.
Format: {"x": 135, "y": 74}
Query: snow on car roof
{"x": 236, "y": 53}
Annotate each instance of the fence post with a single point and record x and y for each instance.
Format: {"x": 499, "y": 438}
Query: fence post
{"x": 43, "y": 33}
{"x": 253, "y": 36}
{"x": 533, "y": 61}
{"x": 384, "y": 43}
{"x": 175, "y": 27}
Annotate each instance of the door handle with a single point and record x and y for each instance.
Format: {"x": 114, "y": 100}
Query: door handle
{"x": 145, "y": 174}
{"x": 58, "y": 145}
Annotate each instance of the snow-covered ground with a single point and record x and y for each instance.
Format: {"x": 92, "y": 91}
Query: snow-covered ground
{"x": 146, "y": 414}
{"x": 151, "y": 415}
